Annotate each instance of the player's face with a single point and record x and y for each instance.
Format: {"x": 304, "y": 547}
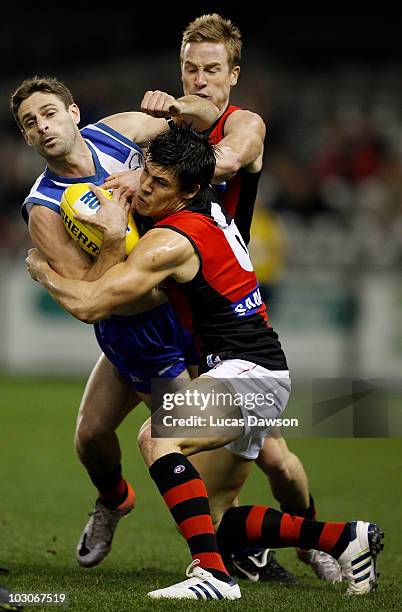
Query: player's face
{"x": 47, "y": 125}
{"x": 160, "y": 193}
{"x": 205, "y": 72}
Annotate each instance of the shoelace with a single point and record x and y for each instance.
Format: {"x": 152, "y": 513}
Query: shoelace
{"x": 189, "y": 572}
{"x": 190, "y": 575}
{"x": 101, "y": 520}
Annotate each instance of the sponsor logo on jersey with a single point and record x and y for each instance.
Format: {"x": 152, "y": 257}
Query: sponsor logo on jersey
{"x": 249, "y": 304}
{"x": 213, "y": 360}
{"x": 179, "y": 469}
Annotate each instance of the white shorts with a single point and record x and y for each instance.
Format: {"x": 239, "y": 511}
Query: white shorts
{"x": 249, "y": 378}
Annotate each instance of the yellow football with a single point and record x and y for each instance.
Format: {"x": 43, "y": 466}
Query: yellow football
{"x": 79, "y": 198}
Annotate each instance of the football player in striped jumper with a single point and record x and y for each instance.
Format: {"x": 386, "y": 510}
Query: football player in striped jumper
{"x": 197, "y": 246}
{"x": 209, "y": 58}
{"x": 148, "y": 343}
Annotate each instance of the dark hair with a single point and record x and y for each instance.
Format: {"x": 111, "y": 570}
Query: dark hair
{"x": 46, "y": 84}
{"x": 186, "y": 153}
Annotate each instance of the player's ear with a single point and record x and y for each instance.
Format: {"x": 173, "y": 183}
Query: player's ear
{"x": 234, "y": 75}
{"x": 191, "y": 194}
{"x": 26, "y": 138}
{"x": 75, "y": 113}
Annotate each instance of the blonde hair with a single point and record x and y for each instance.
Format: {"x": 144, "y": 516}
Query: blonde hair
{"x": 214, "y": 28}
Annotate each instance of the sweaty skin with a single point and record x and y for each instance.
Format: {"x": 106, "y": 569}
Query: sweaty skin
{"x": 157, "y": 255}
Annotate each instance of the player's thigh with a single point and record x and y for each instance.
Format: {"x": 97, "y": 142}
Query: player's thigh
{"x": 224, "y": 473}
{"x": 157, "y": 437}
{"x": 107, "y": 399}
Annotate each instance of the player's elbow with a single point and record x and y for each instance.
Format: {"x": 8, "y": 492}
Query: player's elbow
{"x": 95, "y": 307}
{"x": 87, "y": 312}
{"x": 234, "y": 163}
{"x": 82, "y": 313}
{"x": 88, "y": 318}
{"x": 228, "y": 163}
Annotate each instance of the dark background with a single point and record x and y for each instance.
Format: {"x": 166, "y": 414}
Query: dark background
{"x": 326, "y": 81}
{"x": 63, "y": 35}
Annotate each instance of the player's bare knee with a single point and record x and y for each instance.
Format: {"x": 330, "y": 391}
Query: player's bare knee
{"x": 91, "y": 433}
{"x": 273, "y": 456}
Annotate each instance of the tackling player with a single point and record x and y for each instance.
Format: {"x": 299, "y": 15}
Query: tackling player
{"x": 196, "y": 245}
{"x": 137, "y": 346}
{"x": 209, "y": 58}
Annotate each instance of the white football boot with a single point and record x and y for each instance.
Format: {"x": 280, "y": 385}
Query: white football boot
{"x": 358, "y": 561}
{"x": 200, "y": 585}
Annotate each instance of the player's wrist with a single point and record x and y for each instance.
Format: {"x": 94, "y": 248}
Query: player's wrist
{"x": 46, "y": 276}
{"x": 113, "y": 238}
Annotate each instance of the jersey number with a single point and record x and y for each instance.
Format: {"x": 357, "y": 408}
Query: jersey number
{"x": 233, "y": 237}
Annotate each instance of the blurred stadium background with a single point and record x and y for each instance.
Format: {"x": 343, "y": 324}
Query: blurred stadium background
{"x": 327, "y": 239}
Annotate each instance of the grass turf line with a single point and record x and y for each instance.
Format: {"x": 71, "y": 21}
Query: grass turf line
{"x": 45, "y": 496}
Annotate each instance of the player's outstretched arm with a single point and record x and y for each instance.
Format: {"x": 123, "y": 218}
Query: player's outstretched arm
{"x": 159, "y": 254}
{"x": 198, "y": 112}
{"x": 156, "y": 106}
{"x": 136, "y": 126}
{"x": 242, "y": 146}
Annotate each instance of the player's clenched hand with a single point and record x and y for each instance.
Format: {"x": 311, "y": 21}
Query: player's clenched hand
{"x": 112, "y": 216}
{"x": 36, "y": 264}
{"x": 128, "y": 182}
{"x": 160, "y": 104}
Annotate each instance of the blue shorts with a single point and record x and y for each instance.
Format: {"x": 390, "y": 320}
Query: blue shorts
{"x": 152, "y": 344}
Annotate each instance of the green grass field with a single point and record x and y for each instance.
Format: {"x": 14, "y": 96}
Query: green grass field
{"x": 45, "y": 496}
